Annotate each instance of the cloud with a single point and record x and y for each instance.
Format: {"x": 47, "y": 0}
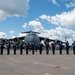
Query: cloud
{"x": 22, "y": 34}
{"x": 54, "y": 2}
{"x": 65, "y": 19}
{"x": 36, "y": 25}
{"x": 71, "y": 4}
{"x": 67, "y": 0}
{"x": 25, "y": 25}
{"x": 3, "y": 35}
{"x": 16, "y": 8}
{"x": 59, "y": 33}
{"x": 13, "y": 36}
{"x": 11, "y": 32}
{"x": 64, "y": 32}
{"x": 45, "y": 17}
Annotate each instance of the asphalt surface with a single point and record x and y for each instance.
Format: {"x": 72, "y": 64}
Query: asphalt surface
{"x": 37, "y": 64}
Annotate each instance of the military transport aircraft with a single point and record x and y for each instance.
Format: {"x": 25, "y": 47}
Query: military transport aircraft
{"x": 33, "y": 37}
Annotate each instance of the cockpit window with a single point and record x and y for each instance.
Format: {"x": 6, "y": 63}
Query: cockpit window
{"x": 32, "y": 34}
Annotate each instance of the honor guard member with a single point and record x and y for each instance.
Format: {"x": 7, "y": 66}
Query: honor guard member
{"x": 15, "y": 45}
{"x": 67, "y": 48}
{"x": 60, "y": 47}
{"x": 53, "y": 48}
{"x": 21, "y": 47}
{"x": 32, "y": 47}
{"x": 40, "y": 47}
{"x": 8, "y": 47}
{"x": 73, "y": 48}
{"x": 1, "y": 47}
{"x": 27, "y": 47}
{"x": 36, "y": 47}
{"x": 47, "y": 47}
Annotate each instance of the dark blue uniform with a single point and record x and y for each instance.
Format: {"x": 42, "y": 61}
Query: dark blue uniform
{"x": 53, "y": 48}
{"x": 47, "y": 47}
{"x": 40, "y": 45}
{"x": 15, "y": 47}
{"x": 27, "y": 47}
{"x": 33, "y": 47}
{"x": 60, "y": 48}
{"x": 73, "y": 48}
{"x": 21, "y": 47}
{"x": 30, "y": 47}
{"x": 67, "y": 48}
{"x": 1, "y": 47}
{"x": 8, "y": 48}
{"x": 36, "y": 47}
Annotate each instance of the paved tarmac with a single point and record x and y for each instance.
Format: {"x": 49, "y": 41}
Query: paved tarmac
{"x": 37, "y": 64}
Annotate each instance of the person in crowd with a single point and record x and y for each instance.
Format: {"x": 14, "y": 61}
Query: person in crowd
{"x": 67, "y": 47}
{"x": 40, "y": 45}
{"x": 8, "y": 47}
{"x": 60, "y": 48}
{"x": 47, "y": 47}
{"x": 30, "y": 47}
{"x": 21, "y": 47}
{"x": 27, "y": 47}
{"x": 36, "y": 47}
{"x": 1, "y": 47}
{"x": 33, "y": 47}
{"x": 53, "y": 48}
{"x": 73, "y": 47}
{"x": 15, "y": 46}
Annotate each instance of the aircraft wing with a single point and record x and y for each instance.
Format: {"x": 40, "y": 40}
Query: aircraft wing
{"x": 20, "y": 38}
{"x": 41, "y": 38}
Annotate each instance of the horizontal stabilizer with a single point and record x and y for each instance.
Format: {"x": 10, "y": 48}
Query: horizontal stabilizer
{"x": 31, "y": 32}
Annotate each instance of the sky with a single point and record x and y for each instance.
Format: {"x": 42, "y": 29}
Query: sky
{"x": 54, "y": 19}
